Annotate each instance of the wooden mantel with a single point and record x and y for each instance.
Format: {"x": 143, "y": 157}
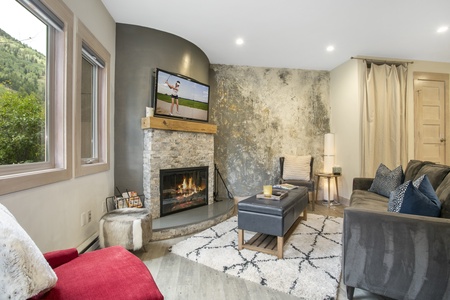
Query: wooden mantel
{"x": 177, "y": 125}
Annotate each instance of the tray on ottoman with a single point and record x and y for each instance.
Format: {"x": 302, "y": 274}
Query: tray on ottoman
{"x": 271, "y": 219}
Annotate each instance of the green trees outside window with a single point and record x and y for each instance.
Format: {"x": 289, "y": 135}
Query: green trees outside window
{"x": 22, "y": 102}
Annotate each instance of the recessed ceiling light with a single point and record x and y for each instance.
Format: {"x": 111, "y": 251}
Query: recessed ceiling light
{"x": 239, "y": 41}
{"x": 330, "y": 48}
{"x": 442, "y": 29}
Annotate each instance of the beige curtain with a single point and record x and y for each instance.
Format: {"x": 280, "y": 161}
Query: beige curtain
{"x": 384, "y": 118}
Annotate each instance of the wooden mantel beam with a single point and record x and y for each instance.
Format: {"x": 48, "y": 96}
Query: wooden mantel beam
{"x": 177, "y": 125}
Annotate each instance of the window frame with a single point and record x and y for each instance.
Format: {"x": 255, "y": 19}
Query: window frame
{"x": 15, "y": 178}
{"x": 85, "y": 39}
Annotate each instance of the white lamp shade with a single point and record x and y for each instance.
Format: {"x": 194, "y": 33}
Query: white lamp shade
{"x": 328, "y": 163}
{"x": 328, "y": 148}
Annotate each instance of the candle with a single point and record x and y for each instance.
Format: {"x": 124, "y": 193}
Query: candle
{"x": 267, "y": 191}
{"x": 149, "y": 111}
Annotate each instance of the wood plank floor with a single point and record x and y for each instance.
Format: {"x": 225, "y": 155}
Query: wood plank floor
{"x": 180, "y": 278}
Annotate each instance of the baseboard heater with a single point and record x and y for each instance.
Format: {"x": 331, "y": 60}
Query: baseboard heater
{"x": 91, "y": 244}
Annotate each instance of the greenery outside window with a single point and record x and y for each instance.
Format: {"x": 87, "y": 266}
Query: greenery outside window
{"x": 92, "y": 105}
{"x": 35, "y": 96}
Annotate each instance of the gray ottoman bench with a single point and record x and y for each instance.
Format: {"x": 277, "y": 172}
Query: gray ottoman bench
{"x": 273, "y": 220}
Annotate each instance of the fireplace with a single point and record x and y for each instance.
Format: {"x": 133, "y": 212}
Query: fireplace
{"x": 162, "y": 151}
{"x": 182, "y": 189}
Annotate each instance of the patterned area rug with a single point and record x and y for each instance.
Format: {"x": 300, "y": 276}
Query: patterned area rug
{"x": 310, "y": 268}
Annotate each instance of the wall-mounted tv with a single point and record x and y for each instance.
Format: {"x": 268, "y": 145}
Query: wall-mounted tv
{"x": 178, "y": 96}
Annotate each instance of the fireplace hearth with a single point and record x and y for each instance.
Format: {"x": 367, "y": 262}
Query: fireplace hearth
{"x": 182, "y": 189}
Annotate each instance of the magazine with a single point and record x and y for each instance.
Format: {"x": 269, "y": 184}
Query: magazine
{"x": 285, "y": 186}
{"x": 276, "y": 195}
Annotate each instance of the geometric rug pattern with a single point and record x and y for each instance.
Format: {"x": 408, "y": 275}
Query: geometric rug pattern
{"x": 310, "y": 269}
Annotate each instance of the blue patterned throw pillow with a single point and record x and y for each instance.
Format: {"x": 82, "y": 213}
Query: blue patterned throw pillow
{"x": 396, "y": 197}
{"x": 386, "y": 181}
{"x": 416, "y": 198}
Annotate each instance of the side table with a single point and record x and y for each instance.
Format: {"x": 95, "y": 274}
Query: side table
{"x": 328, "y": 176}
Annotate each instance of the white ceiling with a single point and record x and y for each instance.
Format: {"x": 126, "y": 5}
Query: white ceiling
{"x": 295, "y": 33}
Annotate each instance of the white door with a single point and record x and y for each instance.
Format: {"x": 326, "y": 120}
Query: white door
{"x": 430, "y": 117}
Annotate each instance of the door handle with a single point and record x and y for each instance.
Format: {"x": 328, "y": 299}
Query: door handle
{"x": 443, "y": 140}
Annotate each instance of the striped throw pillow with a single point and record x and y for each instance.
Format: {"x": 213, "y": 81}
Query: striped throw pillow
{"x": 297, "y": 167}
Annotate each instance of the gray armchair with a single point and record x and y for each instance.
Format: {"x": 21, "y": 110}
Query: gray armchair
{"x": 306, "y": 183}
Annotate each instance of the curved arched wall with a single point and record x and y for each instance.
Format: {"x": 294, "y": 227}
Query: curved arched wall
{"x": 139, "y": 51}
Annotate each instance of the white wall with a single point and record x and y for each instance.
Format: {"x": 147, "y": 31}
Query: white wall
{"x": 345, "y": 102}
{"x": 51, "y": 214}
{"x": 345, "y": 123}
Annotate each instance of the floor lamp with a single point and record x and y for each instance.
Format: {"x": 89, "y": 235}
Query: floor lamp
{"x": 328, "y": 161}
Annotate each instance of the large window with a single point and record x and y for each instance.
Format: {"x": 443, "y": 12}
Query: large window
{"x": 24, "y": 58}
{"x": 92, "y": 109}
{"x": 35, "y": 93}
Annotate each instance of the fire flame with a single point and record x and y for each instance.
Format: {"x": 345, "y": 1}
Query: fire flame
{"x": 188, "y": 186}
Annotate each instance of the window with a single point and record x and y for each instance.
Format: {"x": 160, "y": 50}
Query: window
{"x": 89, "y": 107}
{"x": 92, "y": 105}
{"x": 23, "y": 77}
{"x": 35, "y": 94}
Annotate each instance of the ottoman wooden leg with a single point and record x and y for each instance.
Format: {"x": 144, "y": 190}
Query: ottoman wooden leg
{"x": 240, "y": 238}
{"x": 305, "y": 214}
{"x": 280, "y": 244}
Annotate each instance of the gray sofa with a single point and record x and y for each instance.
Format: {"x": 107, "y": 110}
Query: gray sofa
{"x": 400, "y": 256}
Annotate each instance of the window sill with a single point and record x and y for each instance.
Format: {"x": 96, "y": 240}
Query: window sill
{"x": 23, "y": 181}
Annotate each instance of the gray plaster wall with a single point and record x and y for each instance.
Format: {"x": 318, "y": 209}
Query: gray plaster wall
{"x": 139, "y": 51}
{"x": 262, "y": 114}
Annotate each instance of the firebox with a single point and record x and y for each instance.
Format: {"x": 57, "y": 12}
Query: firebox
{"x": 182, "y": 189}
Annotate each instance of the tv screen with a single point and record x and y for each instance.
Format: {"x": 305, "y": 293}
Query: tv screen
{"x": 179, "y": 96}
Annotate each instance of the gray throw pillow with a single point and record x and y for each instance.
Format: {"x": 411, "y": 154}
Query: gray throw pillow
{"x": 386, "y": 180}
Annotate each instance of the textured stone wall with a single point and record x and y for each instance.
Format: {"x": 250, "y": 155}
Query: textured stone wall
{"x": 165, "y": 149}
{"x": 262, "y": 114}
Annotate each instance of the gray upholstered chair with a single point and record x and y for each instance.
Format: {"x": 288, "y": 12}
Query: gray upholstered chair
{"x": 306, "y": 183}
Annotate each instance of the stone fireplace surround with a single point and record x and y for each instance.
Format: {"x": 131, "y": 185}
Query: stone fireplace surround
{"x": 167, "y": 149}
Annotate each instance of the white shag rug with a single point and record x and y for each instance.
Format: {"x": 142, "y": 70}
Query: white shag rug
{"x": 310, "y": 269}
